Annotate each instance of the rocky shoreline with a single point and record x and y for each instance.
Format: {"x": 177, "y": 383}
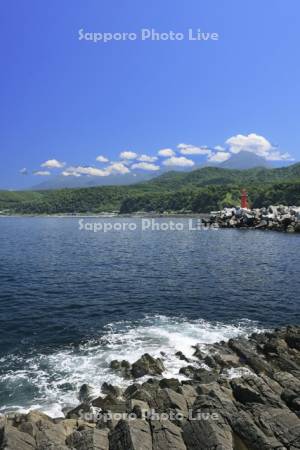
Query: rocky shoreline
{"x": 277, "y": 218}
{"x": 243, "y": 394}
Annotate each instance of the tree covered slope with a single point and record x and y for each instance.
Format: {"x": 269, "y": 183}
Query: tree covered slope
{"x": 199, "y": 191}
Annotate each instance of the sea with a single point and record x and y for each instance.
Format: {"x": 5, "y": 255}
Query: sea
{"x": 77, "y": 293}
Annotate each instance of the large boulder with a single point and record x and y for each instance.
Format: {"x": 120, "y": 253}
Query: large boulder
{"x": 124, "y": 367}
{"x": 114, "y": 391}
{"x": 170, "y": 383}
{"x": 147, "y": 365}
{"x": 248, "y": 355}
{"x": 131, "y": 435}
{"x": 166, "y": 436}
{"x": 13, "y": 439}
{"x": 85, "y": 393}
{"x": 208, "y": 434}
{"x": 189, "y": 393}
{"x": 89, "y": 439}
{"x": 250, "y": 389}
{"x": 110, "y": 403}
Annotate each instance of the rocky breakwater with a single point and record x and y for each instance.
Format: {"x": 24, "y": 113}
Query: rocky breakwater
{"x": 243, "y": 394}
{"x": 279, "y": 218}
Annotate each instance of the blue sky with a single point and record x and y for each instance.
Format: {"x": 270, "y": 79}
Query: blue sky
{"x": 65, "y": 101}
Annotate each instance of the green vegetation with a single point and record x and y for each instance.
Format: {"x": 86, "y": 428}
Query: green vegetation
{"x": 201, "y": 190}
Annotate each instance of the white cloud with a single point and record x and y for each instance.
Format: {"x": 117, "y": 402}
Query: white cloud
{"x": 53, "y": 164}
{"x": 102, "y": 159}
{"x": 67, "y": 173}
{"x": 257, "y": 144}
{"x": 24, "y": 171}
{"x": 42, "y": 173}
{"x": 117, "y": 167}
{"x": 219, "y": 157}
{"x": 188, "y": 149}
{"x": 128, "y": 155}
{"x": 219, "y": 148}
{"x": 179, "y": 161}
{"x": 89, "y": 171}
{"x": 275, "y": 155}
{"x": 145, "y": 166}
{"x": 146, "y": 158}
{"x": 166, "y": 152}
{"x": 77, "y": 171}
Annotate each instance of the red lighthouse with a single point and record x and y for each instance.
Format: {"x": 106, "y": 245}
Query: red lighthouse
{"x": 244, "y": 199}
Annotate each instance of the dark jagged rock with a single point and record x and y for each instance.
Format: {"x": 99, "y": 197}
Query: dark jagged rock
{"x": 147, "y": 365}
{"x": 278, "y": 218}
{"x": 131, "y": 389}
{"x": 89, "y": 439}
{"x": 199, "y": 374}
{"x": 189, "y": 393}
{"x": 131, "y": 435}
{"x": 257, "y": 407}
{"x": 203, "y": 434}
{"x": 171, "y": 383}
{"x": 124, "y": 367}
{"x": 248, "y": 355}
{"x": 253, "y": 390}
{"x": 138, "y": 407}
{"x": 13, "y": 439}
{"x": 75, "y": 413}
{"x": 110, "y": 403}
{"x": 181, "y": 356}
{"x": 166, "y": 436}
{"x": 107, "y": 388}
{"x": 85, "y": 394}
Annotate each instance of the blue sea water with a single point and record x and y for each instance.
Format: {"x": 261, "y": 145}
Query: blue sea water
{"x": 71, "y": 300}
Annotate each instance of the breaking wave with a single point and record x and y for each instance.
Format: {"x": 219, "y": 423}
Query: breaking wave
{"x": 50, "y": 382}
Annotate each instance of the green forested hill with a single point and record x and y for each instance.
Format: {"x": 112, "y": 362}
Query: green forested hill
{"x": 199, "y": 191}
{"x": 215, "y": 175}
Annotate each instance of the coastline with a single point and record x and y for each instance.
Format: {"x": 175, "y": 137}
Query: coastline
{"x": 239, "y": 394}
{"x": 111, "y": 215}
{"x": 275, "y": 218}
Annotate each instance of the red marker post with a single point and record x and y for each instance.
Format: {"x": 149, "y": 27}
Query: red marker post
{"x": 244, "y": 199}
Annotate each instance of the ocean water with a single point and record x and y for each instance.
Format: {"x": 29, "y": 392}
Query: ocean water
{"x": 72, "y": 300}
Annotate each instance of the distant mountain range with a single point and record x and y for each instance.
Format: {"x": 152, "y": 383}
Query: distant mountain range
{"x": 245, "y": 160}
{"x": 200, "y": 190}
{"x": 62, "y": 182}
{"x": 240, "y": 161}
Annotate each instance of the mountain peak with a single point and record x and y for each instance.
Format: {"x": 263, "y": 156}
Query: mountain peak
{"x": 245, "y": 160}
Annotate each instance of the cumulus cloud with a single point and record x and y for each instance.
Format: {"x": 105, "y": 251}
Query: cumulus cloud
{"x": 76, "y": 171}
{"x": 117, "y": 167}
{"x": 128, "y": 155}
{"x": 166, "y": 152}
{"x": 102, "y": 159}
{"x": 188, "y": 149}
{"x": 145, "y": 166}
{"x": 257, "y": 144}
{"x": 276, "y": 155}
{"x": 53, "y": 164}
{"x": 70, "y": 173}
{"x": 219, "y": 157}
{"x": 81, "y": 170}
{"x": 179, "y": 161}
{"x": 42, "y": 173}
{"x": 24, "y": 171}
{"x": 146, "y": 158}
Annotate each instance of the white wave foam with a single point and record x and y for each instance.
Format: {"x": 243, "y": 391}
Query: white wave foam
{"x": 54, "y": 380}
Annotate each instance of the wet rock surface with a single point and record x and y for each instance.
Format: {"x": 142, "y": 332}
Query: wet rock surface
{"x": 145, "y": 365}
{"x": 243, "y": 394}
